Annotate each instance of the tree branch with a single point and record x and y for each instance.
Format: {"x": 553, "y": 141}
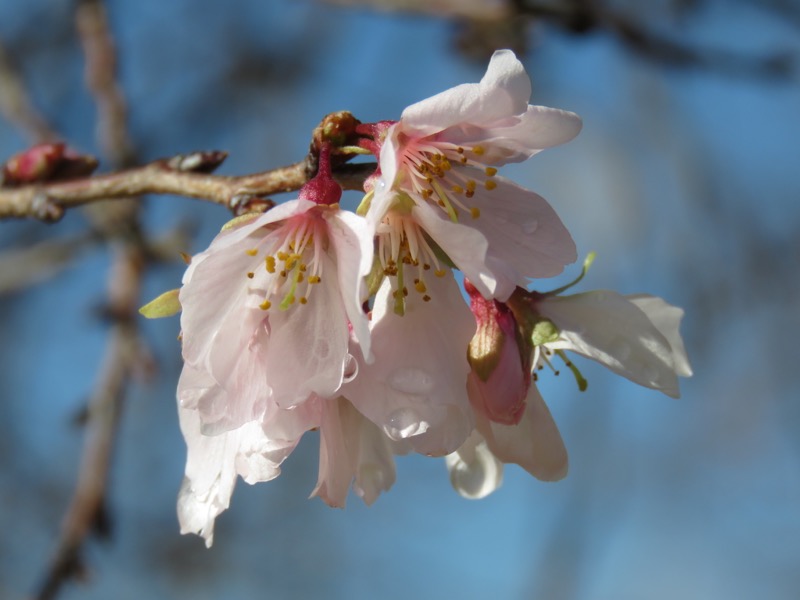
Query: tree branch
{"x": 181, "y": 175}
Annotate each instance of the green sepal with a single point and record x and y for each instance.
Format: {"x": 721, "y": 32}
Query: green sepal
{"x": 166, "y": 305}
{"x": 375, "y": 277}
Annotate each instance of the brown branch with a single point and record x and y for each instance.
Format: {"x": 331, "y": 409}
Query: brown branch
{"x": 22, "y": 267}
{"x": 118, "y": 224}
{"x": 176, "y": 176}
{"x": 16, "y": 106}
{"x": 101, "y": 65}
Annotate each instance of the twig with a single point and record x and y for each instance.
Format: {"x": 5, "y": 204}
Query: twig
{"x": 17, "y": 107}
{"x": 22, "y": 267}
{"x": 175, "y": 176}
{"x": 119, "y": 224}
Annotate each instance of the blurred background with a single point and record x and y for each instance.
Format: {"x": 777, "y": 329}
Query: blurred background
{"x": 684, "y": 180}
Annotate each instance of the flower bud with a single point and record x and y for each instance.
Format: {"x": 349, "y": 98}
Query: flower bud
{"x": 46, "y": 162}
{"x": 499, "y": 381}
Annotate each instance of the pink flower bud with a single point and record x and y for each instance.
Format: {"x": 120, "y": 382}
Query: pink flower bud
{"x": 499, "y": 381}
{"x": 46, "y": 162}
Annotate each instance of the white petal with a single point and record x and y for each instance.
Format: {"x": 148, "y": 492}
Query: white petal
{"x": 504, "y": 91}
{"x": 337, "y": 454}
{"x": 517, "y": 138}
{"x": 535, "y": 443}
{"x": 352, "y": 238}
{"x": 667, "y": 319}
{"x": 212, "y": 465}
{"x": 416, "y": 389}
{"x": 376, "y": 471}
{"x": 608, "y": 328}
{"x": 518, "y": 236}
{"x": 308, "y": 345}
{"x": 351, "y": 447}
{"x": 465, "y": 246}
{"x": 474, "y": 471}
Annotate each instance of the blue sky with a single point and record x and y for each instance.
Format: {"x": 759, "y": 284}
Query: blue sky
{"x": 683, "y": 181}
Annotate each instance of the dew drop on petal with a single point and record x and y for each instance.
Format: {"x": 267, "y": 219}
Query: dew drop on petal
{"x": 350, "y": 368}
{"x": 404, "y": 423}
{"x": 410, "y": 380}
{"x": 530, "y": 227}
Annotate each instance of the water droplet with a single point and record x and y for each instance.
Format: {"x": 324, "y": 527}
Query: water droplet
{"x": 404, "y": 423}
{"x": 350, "y": 368}
{"x": 410, "y": 380}
{"x": 530, "y": 226}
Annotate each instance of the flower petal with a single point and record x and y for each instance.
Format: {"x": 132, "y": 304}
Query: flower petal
{"x": 517, "y": 138}
{"x": 352, "y": 238}
{"x": 416, "y": 389}
{"x": 667, "y": 319}
{"x": 212, "y": 464}
{"x": 308, "y": 345}
{"x": 535, "y": 443}
{"x": 608, "y": 328}
{"x": 351, "y": 447}
{"x": 504, "y": 91}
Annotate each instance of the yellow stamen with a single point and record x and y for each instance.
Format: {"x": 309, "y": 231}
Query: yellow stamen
{"x": 491, "y": 171}
{"x": 489, "y": 184}
{"x": 252, "y": 251}
{"x": 475, "y": 212}
{"x": 270, "y": 264}
{"x": 265, "y": 305}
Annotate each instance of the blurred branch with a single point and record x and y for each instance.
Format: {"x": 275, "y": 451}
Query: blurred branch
{"x": 485, "y": 25}
{"x": 119, "y": 225}
{"x": 15, "y": 105}
{"x": 22, "y": 267}
{"x": 182, "y": 175}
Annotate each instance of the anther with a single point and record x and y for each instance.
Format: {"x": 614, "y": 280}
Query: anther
{"x": 265, "y": 305}
{"x": 426, "y": 298}
{"x": 479, "y": 150}
{"x": 252, "y": 251}
{"x": 250, "y": 275}
{"x": 439, "y": 272}
{"x": 475, "y": 212}
{"x": 490, "y": 171}
{"x": 489, "y": 184}
{"x": 270, "y": 264}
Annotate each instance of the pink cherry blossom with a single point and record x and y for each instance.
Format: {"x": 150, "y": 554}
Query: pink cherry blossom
{"x": 440, "y": 161}
{"x": 267, "y": 310}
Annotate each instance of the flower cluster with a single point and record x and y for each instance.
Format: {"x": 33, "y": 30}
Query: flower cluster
{"x": 310, "y": 317}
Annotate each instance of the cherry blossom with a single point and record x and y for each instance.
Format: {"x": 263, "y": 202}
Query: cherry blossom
{"x": 440, "y": 163}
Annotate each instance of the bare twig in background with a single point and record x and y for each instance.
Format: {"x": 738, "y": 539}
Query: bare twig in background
{"x": 22, "y": 267}
{"x": 119, "y": 225}
{"x": 485, "y": 26}
{"x": 17, "y": 107}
